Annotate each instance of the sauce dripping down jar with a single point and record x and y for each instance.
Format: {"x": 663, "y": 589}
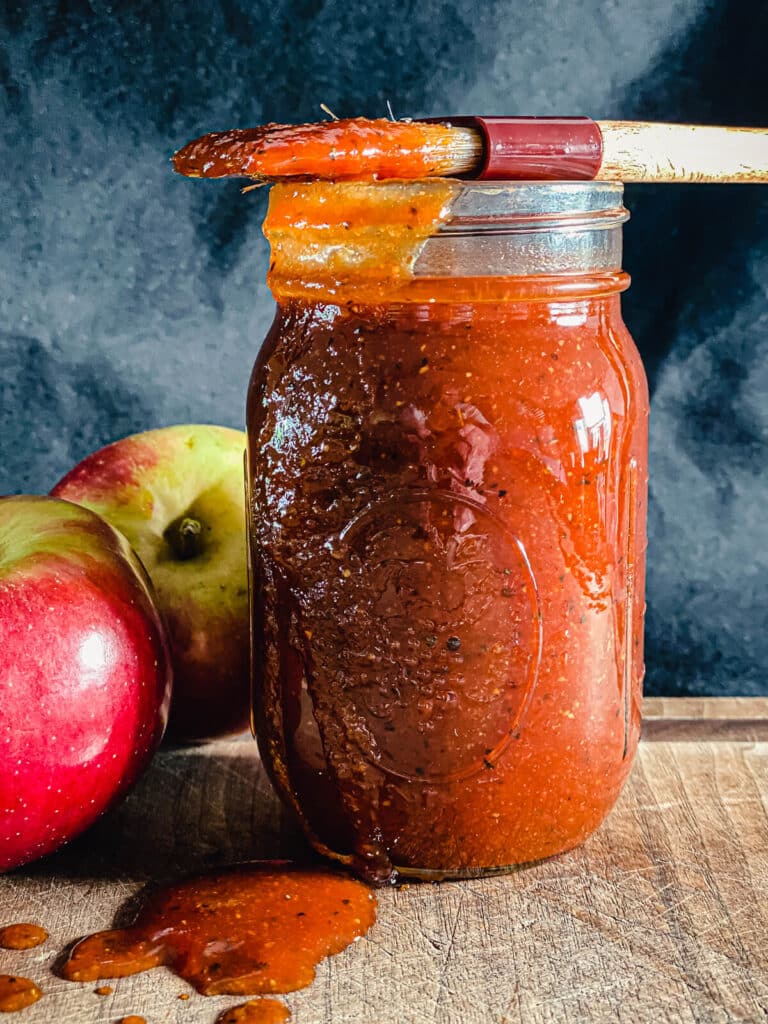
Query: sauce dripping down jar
{"x": 447, "y": 478}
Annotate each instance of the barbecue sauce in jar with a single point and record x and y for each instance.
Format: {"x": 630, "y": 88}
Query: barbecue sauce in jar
{"x": 447, "y": 477}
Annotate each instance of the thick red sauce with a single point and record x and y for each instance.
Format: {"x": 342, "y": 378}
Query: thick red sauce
{"x": 447, "y": 488}
{"x": 22, "y": 936}
{"x": 16, "y": 993}
{"x": 256, "y": 1011}
{"x": 250, "y": 931}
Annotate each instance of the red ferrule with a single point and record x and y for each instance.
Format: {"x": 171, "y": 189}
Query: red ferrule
{"x": 539, "y": 148}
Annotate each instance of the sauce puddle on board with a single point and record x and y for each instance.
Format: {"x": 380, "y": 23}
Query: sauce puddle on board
{"x": 16, "y": 993}
{"x": 22, "y": 936}
{"x": 250, "y": 931}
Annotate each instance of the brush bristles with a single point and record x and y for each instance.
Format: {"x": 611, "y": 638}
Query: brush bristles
{"x": 335, "y": 150}
{"x": 458, "y": 150}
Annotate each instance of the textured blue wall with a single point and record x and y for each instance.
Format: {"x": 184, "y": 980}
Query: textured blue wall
{"x": 131, "y": 298}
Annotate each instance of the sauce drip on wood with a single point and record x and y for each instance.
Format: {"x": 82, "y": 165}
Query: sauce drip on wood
{"x": 351, "y": 148}
{"x": 247, "y": 932}
{"x": 16, "y": 993}
{"x": 256, "y": 1011}
{"x": 22, "y": 936}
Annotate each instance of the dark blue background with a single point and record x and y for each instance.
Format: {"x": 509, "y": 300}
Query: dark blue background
{"x": 131, "y": 298}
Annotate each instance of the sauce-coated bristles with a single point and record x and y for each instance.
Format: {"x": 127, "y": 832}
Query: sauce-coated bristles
{"x": 334, "y": 150}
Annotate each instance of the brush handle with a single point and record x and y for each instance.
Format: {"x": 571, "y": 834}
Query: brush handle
{"x": 572, "y": 148}
{"x": 644, "y": 151}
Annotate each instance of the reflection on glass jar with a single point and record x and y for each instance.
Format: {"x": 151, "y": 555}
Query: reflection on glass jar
{"x": 447, "y": 483}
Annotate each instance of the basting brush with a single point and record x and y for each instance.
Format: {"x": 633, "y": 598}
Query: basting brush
{"x": 490, "y": 148}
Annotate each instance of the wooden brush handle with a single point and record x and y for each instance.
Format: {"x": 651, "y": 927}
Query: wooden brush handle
{"x": 645, "y": 151}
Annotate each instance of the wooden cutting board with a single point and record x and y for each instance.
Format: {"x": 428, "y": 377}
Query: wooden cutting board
{"x": 661, "y": 917}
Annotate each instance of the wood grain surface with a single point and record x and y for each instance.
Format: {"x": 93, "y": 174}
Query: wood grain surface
{"x": 661, "y": 917}
{"x": 690, "y": 718}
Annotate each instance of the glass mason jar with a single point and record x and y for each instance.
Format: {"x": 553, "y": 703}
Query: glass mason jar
{"x": 447, "y": 475}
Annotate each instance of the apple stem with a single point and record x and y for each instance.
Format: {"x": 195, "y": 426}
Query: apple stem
{"x": 185, "y": 537}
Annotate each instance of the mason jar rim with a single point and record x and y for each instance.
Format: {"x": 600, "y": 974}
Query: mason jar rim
{"x": 374, "y": 240}
{"x": 506, "y": 205}
{"x": 521, "y": 228}
{"x": 539, "y": 197}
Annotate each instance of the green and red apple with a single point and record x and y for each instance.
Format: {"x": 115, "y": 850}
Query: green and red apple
{"x": 85, "y": 673}
{"x": 177, "y": 494}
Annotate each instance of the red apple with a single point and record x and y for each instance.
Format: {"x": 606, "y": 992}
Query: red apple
{"x": 84, "y": 674}
{"x": 178, "y": 496}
